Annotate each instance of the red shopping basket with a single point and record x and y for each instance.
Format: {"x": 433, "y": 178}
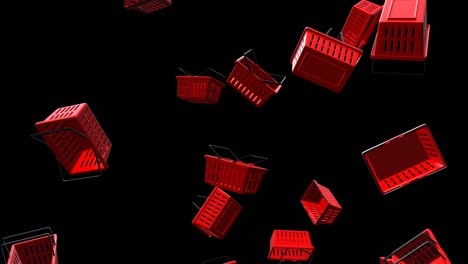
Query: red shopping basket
{"x": 217, "y": 214}
{"x": 253, "y": 82}
{"x": 402, "y": 39}
{"x": 290, "y": 245}
{"x": 361, "y": 23}
{"x": 324, "y": 60}
{"x": 233, "y": 175}
{"x": 422, "y": 249}
{"x": 320, "y": 204}
{"x": 146, "y": 6}
{"x": 402, "y": 31}
{"x": 76, "y": 138}
{"x": 39, "y": 247}
{"x": 404, "y": 159}
{"x": 199, "y": 88}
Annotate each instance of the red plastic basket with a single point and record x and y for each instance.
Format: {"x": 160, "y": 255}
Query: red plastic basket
{"x": 217, "y": 214}
{"x": 402, "y": 31}
{"x": 146, "y": 6}
{"x": 404, "y": 159}
{"x": 290, "y": 245}
{"x": 40, "y": 249}
{"x": 233, "y": 175}
{"x": 324, "y": 60}
{"x": 76, "y": 138}
{"x": 198, "y": 88}
{"x": 361, "y": 23}
{"x": 253, "y": 82}
{"x": 422, "y": 249}
{"x": 320, "y": 204}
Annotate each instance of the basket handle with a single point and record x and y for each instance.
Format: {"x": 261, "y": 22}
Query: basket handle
{"x": 35, "y": 135}
{"x": 255, "y": 60}
{"x": 414, "y": 250}
{"x": 253, "y": 56}
{"x": 276, "y": 82}
{"x": 284, "y": 253}
{"x": 260, "y": 158}
{"x": 186, "y": 72}
{"x": 17, "y": 238}
{"x": 226, "y": 258}
{"x": 408, "y": 242}
{"x": 199, "y": 196}
{"x": 230, "y": 151}
{"x": 210, "y": 69}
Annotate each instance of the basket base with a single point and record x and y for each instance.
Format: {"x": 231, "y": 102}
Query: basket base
{"x": 398, "y": 67}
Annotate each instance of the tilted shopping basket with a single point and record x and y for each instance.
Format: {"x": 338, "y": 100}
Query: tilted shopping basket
{"x": 402, "y": 39}
{"x": 320, "y": 204}
{"x": 202, "y": 89}
{"x": 77, "y": 140}
{"x": 146, "y": 6}
{"x": 324, "y": 60}
{"x": 290, "y": 245}
{"x": 404, "y": 159}
{"x": 254, "y": 83}
{"x": 233, "y": 174}
{"x": 421, "y": 249}
{"x": 361, "y": 23}
{"x": 217, "y": 214}
{"x": 39, "y": 246}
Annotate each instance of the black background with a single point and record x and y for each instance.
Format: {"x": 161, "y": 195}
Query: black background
{"x": 123, "y": 64}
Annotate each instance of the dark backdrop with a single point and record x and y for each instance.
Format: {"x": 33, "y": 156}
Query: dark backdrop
{"x": 123, "y": 64}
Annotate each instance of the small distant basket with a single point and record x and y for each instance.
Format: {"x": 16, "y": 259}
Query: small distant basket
{"x": 290, "y": 245}
{"x": 255, "y": 84}
{"x": 320, "y": 204}
{"x": 217, "y": 214}
{"x": 233, "y": 175}
{"x": 200, "y": 89}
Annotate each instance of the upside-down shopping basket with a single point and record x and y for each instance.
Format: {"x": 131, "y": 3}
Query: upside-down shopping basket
{"x": 320, "y": 204}
{"x": 361, "y": 23}
{"x": 402, "y": 39}
{"x": 291, "y": 245}
{"x": 421, "y": 249}
{"x": 146, "y": 6}
{"x": 199, "y": 88}
{"x": 255, "y": 84}
{"x": 324, "y": 60}
{"x": 404, "y": 159}
{"x": 76, "y": 138}
{"x": 40, "y": 248}
{"x": 233, "y": 175}
{"x": 217, "y": 214}
{"x": 402, "y": 31}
